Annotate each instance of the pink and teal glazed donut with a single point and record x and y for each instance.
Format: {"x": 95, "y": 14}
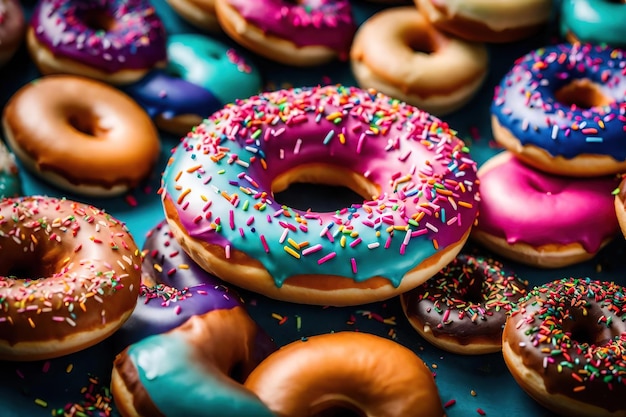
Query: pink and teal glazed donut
{"x": 12, "y": 29}
{"x": 117, "y": 41}
{"x": 562, "y": 109}
{"x": 202, "y": 76}
{"x": 542, "y": 219}
{"x": 174, "y": 288}
{"x": 594, "y": 21}
{"x": 463, "y": 308}
{"x": 564, "y": 344}
{"x": 302, "y": 33}
{"x": 415, "y": 175}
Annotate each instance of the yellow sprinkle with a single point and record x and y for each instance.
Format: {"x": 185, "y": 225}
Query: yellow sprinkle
{"x": 31, "y": 322}
{"x": 342, "y": 241}
{"x": 158, "y": 268}
{"x": 41, "y": 402}
{"x": 293, "y": 243}
{"x": 69, "y": 368}
{"x": 291, "y": 252}
{"x": 277, "y": 316}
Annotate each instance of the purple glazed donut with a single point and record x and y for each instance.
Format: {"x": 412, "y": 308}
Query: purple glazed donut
{"x": 111, "y": 40}
{"x": 174, "y": 288}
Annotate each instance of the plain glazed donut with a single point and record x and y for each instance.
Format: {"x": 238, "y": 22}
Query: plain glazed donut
{"x": 487, "y": 20}
{"x": 10, "y": 183}
{"x": 416, "y": 175}
{"x": 200, "y": 13}
{"x": 12, "y": 29}
{"x": 81, "y": 135}
{"x": 302, "y": 33}
{"x": 562, "y": 109}
{"x": 564, "y": 344}
{"x": 173, "y": 289}
{"x": 202, "y": 75}
{"x": 541, "y": 219}
{"x": 116, "y": 41}
{"x": 350, "y": 371}
{"x": 594, "y": 21}
{"x": 398, "y": 53}
{"x": 463, "y": 308}
{"x": 194, "y": 370}
{"x": 69, "y": 277}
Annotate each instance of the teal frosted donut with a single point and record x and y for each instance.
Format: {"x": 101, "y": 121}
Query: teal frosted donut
{"x": 10, "y": 184}
{"x": 595, "y": 21}
{"x": 202, "y": 76}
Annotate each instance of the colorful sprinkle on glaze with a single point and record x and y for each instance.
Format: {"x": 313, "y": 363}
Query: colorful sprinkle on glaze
{"x": 412, "y": 193}
{"x": 84, "y": 31}
{"x": 572, "y": 332}
{"x": 468, "y": 299}
{"x": 526, "y": 103}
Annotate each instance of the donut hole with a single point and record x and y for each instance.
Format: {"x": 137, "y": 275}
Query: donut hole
{"x": 470, "y": 288}
{"x": 336, "y": 408}
{"x": 586, "y": 333}
{"x": 423, "y": 44}
{"x": 28, "y": 270}
{"x": 98, "y": 20}
{"x": 85, "y": 122}
{"x": 321, "y": 187}
{"x": 583, "y": 94}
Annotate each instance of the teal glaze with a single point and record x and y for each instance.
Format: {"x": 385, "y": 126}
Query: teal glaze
{"x": 595, "y": 21}
{"x": 212, "y": 65}
{"x": 177, "y": 386}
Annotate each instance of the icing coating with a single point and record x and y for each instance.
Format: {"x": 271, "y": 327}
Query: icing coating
{"x": 571, "y": 332}
{"x": 12, "y": 27}
{"x": 309, "y": 22}
{"x": 469, "y": 298}
{"x": 10, "y": 183}
{"x": 220, "y": 176}
{"x": 202, "y": 75}
{"x": 525, "y": 101}
{"x": 187, "y": 371}
{"x": 594, "y": 21}
{"x": 522, "y": 204}
{"x": 110, "y": 35}
{"x": 174, "y": 289}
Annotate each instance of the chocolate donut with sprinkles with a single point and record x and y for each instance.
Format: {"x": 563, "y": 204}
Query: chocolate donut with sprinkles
{"x": 416, "y": 176}
{"x": 565, "y": 344}
{"x": 116, "y": 41}
{"x": 463, "y": 308}
{"x": 562, "y": 109}
{"x": 69, "y": 277}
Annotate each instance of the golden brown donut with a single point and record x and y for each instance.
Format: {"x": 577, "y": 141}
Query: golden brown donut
{"x": 200, "y": 13}
{"x": 399, "y": 53}
{"x": 487, "y": 20}
{"x": 350, "y": 371}
{"x": 81, "y": 135}
{"x": 69, "y": 277}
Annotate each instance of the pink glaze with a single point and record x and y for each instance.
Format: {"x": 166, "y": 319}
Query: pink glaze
{"x": 522, "y": 204}
{"x": 309, "y": 22}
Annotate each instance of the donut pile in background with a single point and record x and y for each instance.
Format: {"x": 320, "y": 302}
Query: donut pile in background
{"x": 160, "y": 255}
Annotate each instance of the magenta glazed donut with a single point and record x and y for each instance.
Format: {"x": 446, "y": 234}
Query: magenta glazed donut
{"x": 111, "y": 40}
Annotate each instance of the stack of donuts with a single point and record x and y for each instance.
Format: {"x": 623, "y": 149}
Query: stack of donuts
{"x": 157, "y": 256}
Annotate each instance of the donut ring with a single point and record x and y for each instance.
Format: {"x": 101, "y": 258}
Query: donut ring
{"x": 69, "y": 277}
{"x": 12, "y": 29}
{"x": 398, "y": 53}
{"x": 116, "y": 41}
{"x": 217, "y": 194}
{"x": 564, "y": 344}
{"x": 195, "y": 369}
{"x": 562, "y": 110}
{"x": 302, "y": 33}
{"x": 463, "y": 308}
{"x": 594, "y": 21}
{"x": 200, "y": 13}
{"x": 81, "y": 135}
{"x": 360, "y": 372}
{"x": 540, "y": 219}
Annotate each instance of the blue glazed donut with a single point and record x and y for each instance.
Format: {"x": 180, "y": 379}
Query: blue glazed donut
{"x": 562, "y": 109}
{"x": 594, "y": 21}
{"x": 201, "y": 77}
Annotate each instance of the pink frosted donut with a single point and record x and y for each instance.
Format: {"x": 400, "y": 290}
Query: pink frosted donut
{"x": 542, "y": 219}
{"x": 301, "y": 33}
{"x": 12, "y": 27}
{"x": 117, "y": 41}
{"x": 415, "y": 175}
